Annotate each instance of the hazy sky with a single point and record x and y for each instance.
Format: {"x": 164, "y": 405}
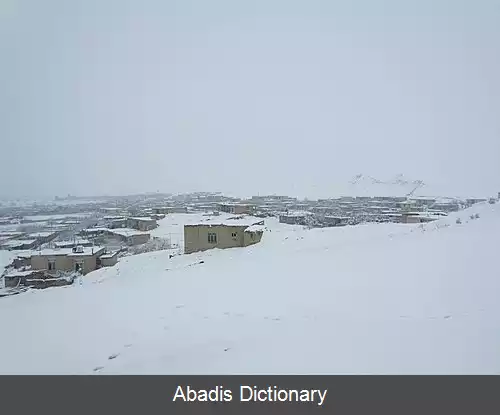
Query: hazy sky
{"x": 247, "y": 97}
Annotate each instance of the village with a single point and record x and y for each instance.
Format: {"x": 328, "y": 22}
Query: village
{"x": 55, "y": 244}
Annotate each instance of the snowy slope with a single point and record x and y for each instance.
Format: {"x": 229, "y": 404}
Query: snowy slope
{"x": 382, "y": 299}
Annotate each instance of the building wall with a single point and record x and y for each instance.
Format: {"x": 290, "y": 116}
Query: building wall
{"x": 293, "y": 220}
{"x": 241, "y": 210}
{"x": 64, "y": 263}
{"x": 109, "y": 262}
{"x": 138, "y": 239}
{"x": 251, "y": 238}
{"x": 141, "y": 225}
{"x": 196, "y": 237}
{"x": 410, "y": 219}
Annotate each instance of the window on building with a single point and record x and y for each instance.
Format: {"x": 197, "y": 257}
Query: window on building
{"x": 52, "y": 264}
{"x": 234, "y": 234}
{"x": 212, "y": 238}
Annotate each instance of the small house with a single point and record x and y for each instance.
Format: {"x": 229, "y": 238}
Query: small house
{"x": 130, "y": 236}
{"x": 142, "y": 223}
{"x": 236, "y": 208}
{"x": 227, "y": 234}
{"x": 108, "y": 259}
{"x": 79, "y": 258}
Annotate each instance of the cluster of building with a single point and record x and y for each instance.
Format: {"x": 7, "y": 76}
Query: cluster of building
{"x": 51, "y": 247}
{"x": 57, "y": 266}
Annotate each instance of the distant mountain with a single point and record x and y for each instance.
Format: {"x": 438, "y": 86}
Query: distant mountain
{"x": 364, "y": 185}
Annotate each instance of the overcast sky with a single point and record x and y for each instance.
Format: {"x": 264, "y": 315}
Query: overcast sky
{"x": 247, "y": 97}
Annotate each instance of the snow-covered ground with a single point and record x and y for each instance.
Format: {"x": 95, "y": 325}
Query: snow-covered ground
{"x": 372, "y": 299}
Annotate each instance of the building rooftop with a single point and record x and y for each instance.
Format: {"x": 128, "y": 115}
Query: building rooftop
{"x": 143, "y": 218}
{"x": 297, "y": 213}
{"x": 41, "y": 234}
{"x": 126, "y": 232}
{"x": 237, "y": 221}
{"x": 109, "y": 255}
{"x": 86, "y": 251}
{"x": 17, "y": 242}
{"x": 70, "y": 243}
{"x": 255, "y": 228}
{"x": 95, "y": 230}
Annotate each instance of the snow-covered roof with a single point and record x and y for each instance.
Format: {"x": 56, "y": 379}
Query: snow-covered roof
{"x": 15, "y": 273}
{"x": 70, "y": 243}
{"x": 297, "y": 213}
{"x": 243, "y": 221}
{"x": 235, "y": 204}
{"x": 95, "y": 230}
{"x": 143, "y": 218}
{"x": 337, "y": 217}
{"x": 10, "y": 234}
{"x": 109, "y": 255}
{"x": 113, "y": 217}
{"x": 126, "y": 232}
{"x": 41, "y": 234}
{"x": 18, "y": 242}
{"x": 86, "y": 251}
{"x": 255, "y": 228}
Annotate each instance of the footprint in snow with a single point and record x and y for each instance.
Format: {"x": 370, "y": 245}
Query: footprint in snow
{"x": 128, "y": 345}
{"x": 98, "y": 368}
{"x": 179, "y": 306}
{"x": 113, "y": 356}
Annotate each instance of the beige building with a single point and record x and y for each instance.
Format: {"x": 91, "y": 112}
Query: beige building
{"x": 419, "y": 217}
{"x": 130, "y": 236}
{"x": 222, "y": 235}
{"x": 109, "y": 259}
{"x": 142, "y": 224}
{"x": 81, "y": 259}
{"x": 236, "y": 208}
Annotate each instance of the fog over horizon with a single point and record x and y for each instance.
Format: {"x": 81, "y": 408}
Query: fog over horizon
{"x": 279, "y": 96}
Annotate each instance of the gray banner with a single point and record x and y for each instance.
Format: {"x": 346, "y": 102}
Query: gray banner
{"x": 252, "y": 394}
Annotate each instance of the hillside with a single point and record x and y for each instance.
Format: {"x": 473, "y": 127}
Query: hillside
{"x": 378, "y": 299}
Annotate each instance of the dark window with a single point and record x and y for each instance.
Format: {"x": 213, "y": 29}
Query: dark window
{"x": 52, "y": 265}
{"x": 234, "y": 234}
{"x": 212, "y": 238}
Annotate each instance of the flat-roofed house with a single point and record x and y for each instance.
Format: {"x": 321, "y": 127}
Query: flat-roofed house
{"x": 73, "y": 242}
{"x": 19, "y": 244}
{"x": 165, "y": 210}
{"x": 80, "y": 259}
{"x": 108, "y": 259}
{"x": 419, "y": 217}
{"x": 142, "y": 223}
{"x": 222, "y": 234}
{"x": 43, "y": 237}
{"x": 130, "y": 236}
{"x": 296, "y": 217}
{"x": 236, "y": 208}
